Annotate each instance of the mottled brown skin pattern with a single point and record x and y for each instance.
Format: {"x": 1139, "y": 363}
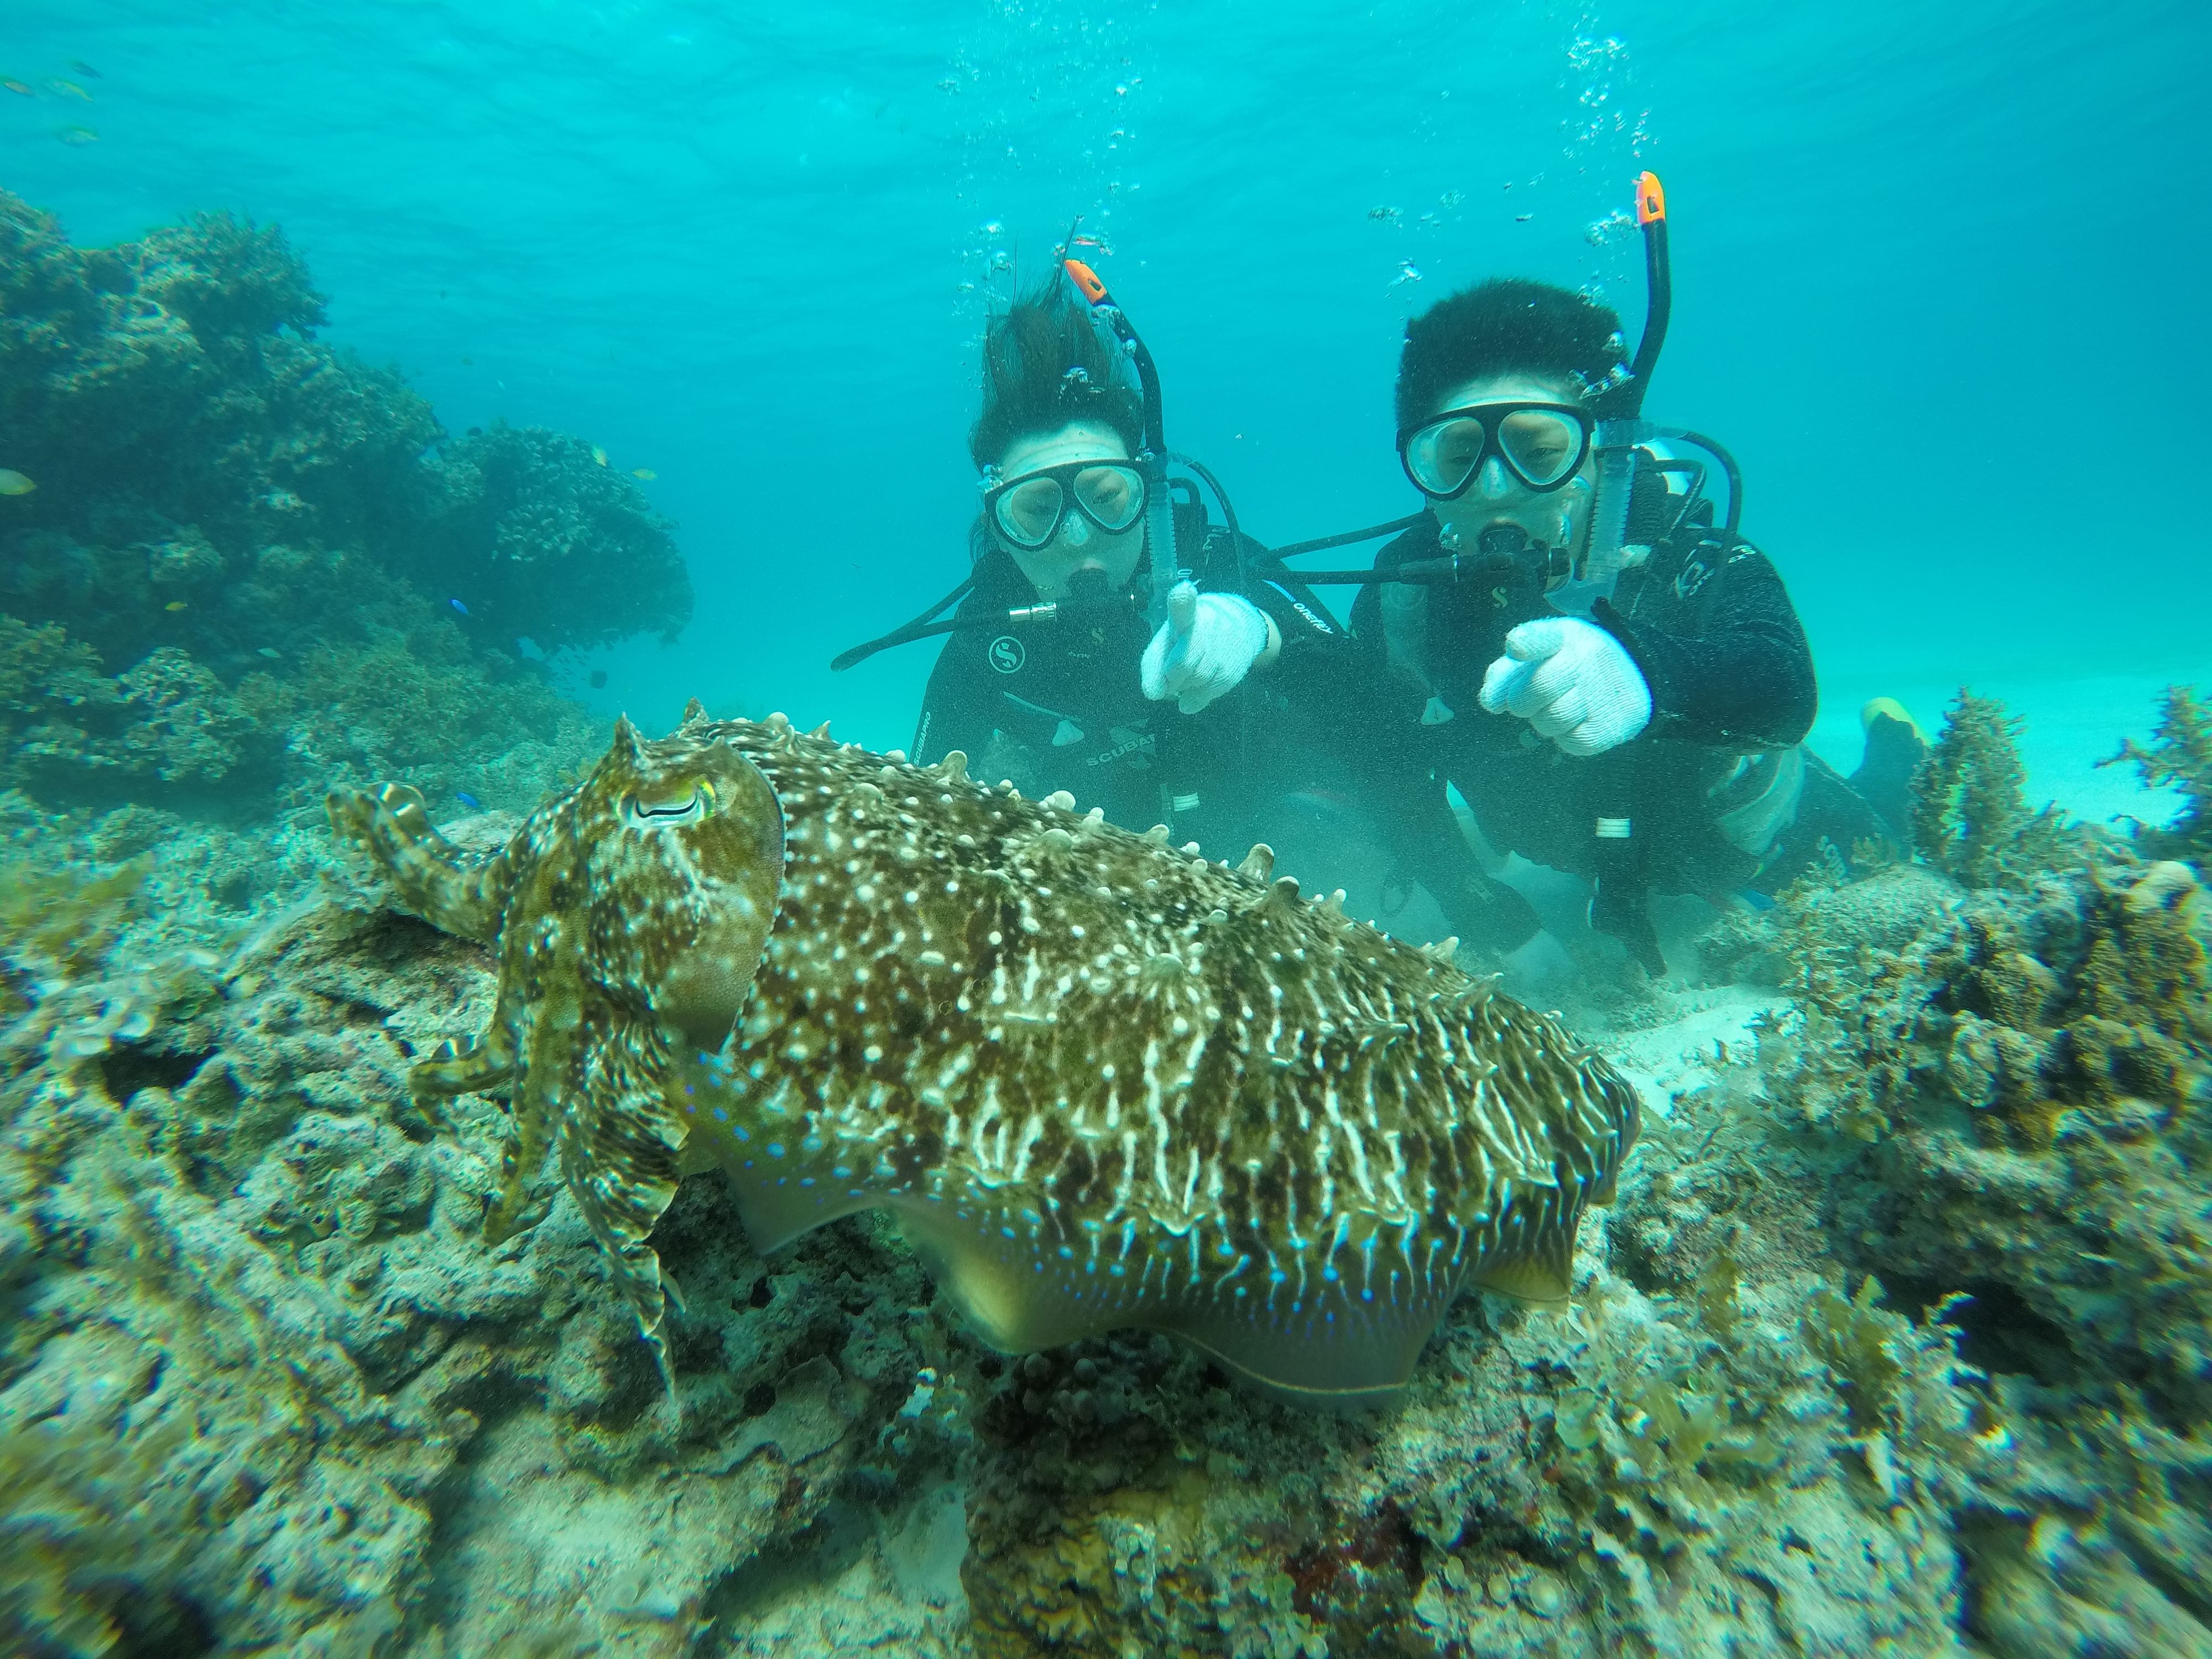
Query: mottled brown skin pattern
{"x": 1102, "y": 1083}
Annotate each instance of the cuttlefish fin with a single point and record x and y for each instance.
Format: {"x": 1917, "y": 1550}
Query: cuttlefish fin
{"x": 432, "y": 877}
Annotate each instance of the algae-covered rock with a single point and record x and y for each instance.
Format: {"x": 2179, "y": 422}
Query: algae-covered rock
{"x": 2015, "y": 1107}
{"x": 263, "y": 1387}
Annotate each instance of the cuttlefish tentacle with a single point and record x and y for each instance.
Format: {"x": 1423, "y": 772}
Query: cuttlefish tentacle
{"x": 433, "y": 877}
{"x": 465, "y": 1065}
{"x": 1101, "y": 1083}
{"x": 617, "y": 1146}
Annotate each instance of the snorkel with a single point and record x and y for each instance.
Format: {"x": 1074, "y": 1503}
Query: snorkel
{"x": 1617, "y": 446}
{"x": 1160, "y": 509}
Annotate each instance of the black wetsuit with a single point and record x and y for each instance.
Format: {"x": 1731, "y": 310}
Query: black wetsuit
{"x": 1709, "y": 624}
{"x": 1060, "y": 708}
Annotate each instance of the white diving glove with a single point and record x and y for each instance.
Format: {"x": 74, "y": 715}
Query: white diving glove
{"x": 1207, "y": 645}
{"x": 1572, "y": 682}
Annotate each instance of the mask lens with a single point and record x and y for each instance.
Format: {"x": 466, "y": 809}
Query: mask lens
{"x": 1543, "y": 445}
{"x": 1444, "y": 455}
{"x": 1113, "y": 495}
{"x": 1029, "y": 512}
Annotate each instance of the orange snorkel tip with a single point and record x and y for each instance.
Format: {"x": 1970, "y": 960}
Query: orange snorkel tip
{"x": 1085, "y": 279}
{"x": 1650, "y": 199}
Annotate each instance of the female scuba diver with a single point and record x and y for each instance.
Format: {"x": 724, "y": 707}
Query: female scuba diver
{"x": 1165, "y": 687}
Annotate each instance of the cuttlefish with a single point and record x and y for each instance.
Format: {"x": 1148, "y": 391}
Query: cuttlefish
{"x": 1100, "y": 1081}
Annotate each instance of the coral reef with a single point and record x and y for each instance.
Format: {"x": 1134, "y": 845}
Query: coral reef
{"x": 2010, "y": 1095}
{"x": 547, "y": 542}
{"x": 247, "y": 564}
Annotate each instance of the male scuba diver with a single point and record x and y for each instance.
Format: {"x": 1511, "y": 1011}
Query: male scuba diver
{"x": 1618, "y": 684}
{"x": 1112, "y": 642}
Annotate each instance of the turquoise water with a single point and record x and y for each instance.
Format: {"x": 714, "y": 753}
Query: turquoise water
{"x": 1940, "y": 273}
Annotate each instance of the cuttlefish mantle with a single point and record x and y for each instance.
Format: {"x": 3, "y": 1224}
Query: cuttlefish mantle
{"x": 1101, "y": 1082}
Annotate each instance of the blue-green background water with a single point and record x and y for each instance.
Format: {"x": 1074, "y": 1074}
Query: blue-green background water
{"x": 1941, "y": 276}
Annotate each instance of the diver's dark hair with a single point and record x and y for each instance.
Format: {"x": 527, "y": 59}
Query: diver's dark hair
{"x": 1506, "y": 325}
{"x": 1046, "y": 363}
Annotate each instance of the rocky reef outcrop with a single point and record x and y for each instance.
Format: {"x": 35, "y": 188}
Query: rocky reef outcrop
{"x": 248, "y": 560}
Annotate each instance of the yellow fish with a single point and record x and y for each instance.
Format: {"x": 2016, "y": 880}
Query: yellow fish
{"x": 77, "y": 136}
{"x": 644, "y": 472}
{"x": 599, "y": 455}
{"x": 70, "y": 87}
{"x": 19, "y": 88}
{"x": 14, "y": 483}
{"x": 175, "y": 604}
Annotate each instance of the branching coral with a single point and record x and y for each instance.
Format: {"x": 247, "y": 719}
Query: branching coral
{"x": 1970, "y": 812}
{"x": 2179, "y": 758}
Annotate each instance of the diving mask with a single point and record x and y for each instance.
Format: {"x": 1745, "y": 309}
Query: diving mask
{"x": 1028, "y": 511}
{"x": 1542, "y": 444}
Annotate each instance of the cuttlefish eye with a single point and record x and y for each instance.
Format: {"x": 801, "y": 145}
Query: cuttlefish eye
{"x": 668, "y": 806}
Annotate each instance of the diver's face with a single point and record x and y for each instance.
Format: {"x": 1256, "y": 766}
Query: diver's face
{"x": 1079, "y": 544}
{"x": 1558, "y": 517}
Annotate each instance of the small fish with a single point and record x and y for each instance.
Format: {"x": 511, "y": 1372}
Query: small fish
{"x": 644, "y": 472}
{"x": 271, "y": 652}
{"x": 71, "y": 89}
{"x": 176, "y": 604}
{"x": 468, "y": 800}
{"x": 77, "y": 136}
{"x": 18, "y": 88}
{"x": 86, "y": 69}
{"x": 459, "y": 606}
{"x": 14, "y": 483}
{"x": 1522, "y": 218}
{"x": 599, "y": 455}
{"x": 599, "y": 678}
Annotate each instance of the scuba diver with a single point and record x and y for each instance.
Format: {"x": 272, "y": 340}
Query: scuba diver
{"x": 1113, "y": 642}
{"x": 1615, "y": 679}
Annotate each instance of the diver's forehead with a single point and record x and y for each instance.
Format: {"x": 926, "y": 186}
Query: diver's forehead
{"x": 1508, "y": 388}
{"x": 1078, "y": 441}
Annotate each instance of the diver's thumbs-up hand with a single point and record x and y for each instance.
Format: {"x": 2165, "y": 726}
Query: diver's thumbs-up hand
{"x": 1207, "y": 645}
{"x": 1572, "y": 682}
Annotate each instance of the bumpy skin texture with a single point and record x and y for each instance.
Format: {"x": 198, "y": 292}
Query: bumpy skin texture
{"x": 1101, "y": 1083}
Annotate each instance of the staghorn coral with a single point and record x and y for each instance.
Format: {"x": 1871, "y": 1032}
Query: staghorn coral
{"x": 1970, "y": 814}
{"x": 1100, "y": 1083}
{"x": 2179, "y": 756}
